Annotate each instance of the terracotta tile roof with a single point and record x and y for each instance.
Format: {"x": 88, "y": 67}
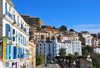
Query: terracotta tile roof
{"x": 95, "y": 47}
{"x": 40, "y": 32}
{"x": 95, "y": 37}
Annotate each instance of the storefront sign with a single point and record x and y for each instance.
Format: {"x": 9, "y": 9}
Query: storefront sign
{"x": 4, "y": 48}
{"x": 8, "y": 41}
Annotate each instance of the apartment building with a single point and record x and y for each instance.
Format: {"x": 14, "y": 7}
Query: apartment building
{"x": 14, "y": 33}
{"x": 96, "y": 49}
{"x": 88, "y": 38}
{"x": 52, "y": 47}
{"x": 41, "y": 35}
{"x": 95, "y": 41}
{"x": 32, "y": 54}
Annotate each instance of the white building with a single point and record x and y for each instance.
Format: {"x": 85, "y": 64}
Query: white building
{"x": 52, "y": 48}
{"x": 88, "y": 38}
{"x": 96, "y": 49}
{"x": 14, "y": 32}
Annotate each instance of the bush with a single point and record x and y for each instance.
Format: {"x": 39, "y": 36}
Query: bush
{"x": 39, "y": 60}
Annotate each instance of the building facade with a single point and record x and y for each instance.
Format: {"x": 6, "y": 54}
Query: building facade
{"x": 52, "y": 48}
{"x": 32, "y": 55}
{"x": 88, "y": 38}
{"x": 14, "y": 32}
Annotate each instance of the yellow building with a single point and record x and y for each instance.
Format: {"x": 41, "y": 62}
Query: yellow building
{"x": 32, "y": 55}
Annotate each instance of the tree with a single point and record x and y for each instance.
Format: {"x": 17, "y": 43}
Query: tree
{"x": 85, "y": 52}
{"x": 39, "y": 60}
{"x": 71, "y": 30}
{"x": 62, "y": 52}
{"x": 63, "y": 28}
{"x": 38, "y": 29}
{"x": 54, "y": 27}
{"x": 76, "y": 54}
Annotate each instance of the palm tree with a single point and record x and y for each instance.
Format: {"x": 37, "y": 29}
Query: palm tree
{"x": 76, "y": 54}
{"x": 62, "y": 52}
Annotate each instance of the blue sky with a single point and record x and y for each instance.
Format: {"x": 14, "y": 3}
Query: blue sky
{"x": 76, "y": 14}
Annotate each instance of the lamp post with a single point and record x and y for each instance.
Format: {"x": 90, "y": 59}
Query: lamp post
{"x": 74, "y": 63}
{"x": 68, "y": 62}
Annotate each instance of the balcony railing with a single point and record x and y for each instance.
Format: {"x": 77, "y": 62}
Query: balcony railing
{"x": 8, "y": 13}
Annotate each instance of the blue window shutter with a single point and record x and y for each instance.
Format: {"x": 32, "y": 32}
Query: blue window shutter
{"x": 5, "y": 8}
{"x": 14, "y": 18}
{"x": 9, "y": 51}
{"x": 15, "y": 52}
{"x": 7, "y": 56}
{"x": 19, "y": 52}
{"x": 9, "y": 8}
{"x": 11, "y": 32}
{"x": 21, "y": 38}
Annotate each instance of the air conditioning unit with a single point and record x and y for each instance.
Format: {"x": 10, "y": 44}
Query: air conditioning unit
{"x": 7, "y": 64}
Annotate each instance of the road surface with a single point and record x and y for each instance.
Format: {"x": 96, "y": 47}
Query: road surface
{"x": 51, "y": 65}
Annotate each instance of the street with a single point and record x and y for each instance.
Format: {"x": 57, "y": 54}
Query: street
{"x": 51, "y": 65}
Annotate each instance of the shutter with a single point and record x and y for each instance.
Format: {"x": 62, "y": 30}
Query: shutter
{"x": 15, "y": 52}
{"x": 9, "y": 51}
{"x": 16, "y": 36}
{"x": 19, "y": 52}
{"x": 5, "y": 8}
{"x": 11, "y": 33}
{"x": 7, "y": 56}
{"x": 21, "y": 38}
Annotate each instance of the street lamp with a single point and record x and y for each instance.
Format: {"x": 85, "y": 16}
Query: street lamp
{"x": 74, "y": 63}
{"x": 68, "y": 62}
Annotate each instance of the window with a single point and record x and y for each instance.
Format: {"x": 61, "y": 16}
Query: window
{"x": 40, "y": 51}
{"x": 18, "y": 21}
{"x": 40, "y": 44}
{"x": 36, "y": 45}
{"x": 5, "y": 8}
{"x": 40, "y": 47}
{"x": 9, "y": 8}
{"x": 44, "y": 44}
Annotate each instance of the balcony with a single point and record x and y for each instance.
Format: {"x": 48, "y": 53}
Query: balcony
{"x": 8, "y": 13}
{"x": 25, "y": 56}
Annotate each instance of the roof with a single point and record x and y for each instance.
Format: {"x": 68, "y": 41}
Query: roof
{"x": 95, "y": 47}
{"x": 95, "y": 37}
{"x": 40, "y": 32}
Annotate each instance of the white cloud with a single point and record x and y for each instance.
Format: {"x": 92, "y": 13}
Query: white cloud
{"x": 56, "y": 21}
{"x": 86, "y": 25}
{"x": 92, "y": 28}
